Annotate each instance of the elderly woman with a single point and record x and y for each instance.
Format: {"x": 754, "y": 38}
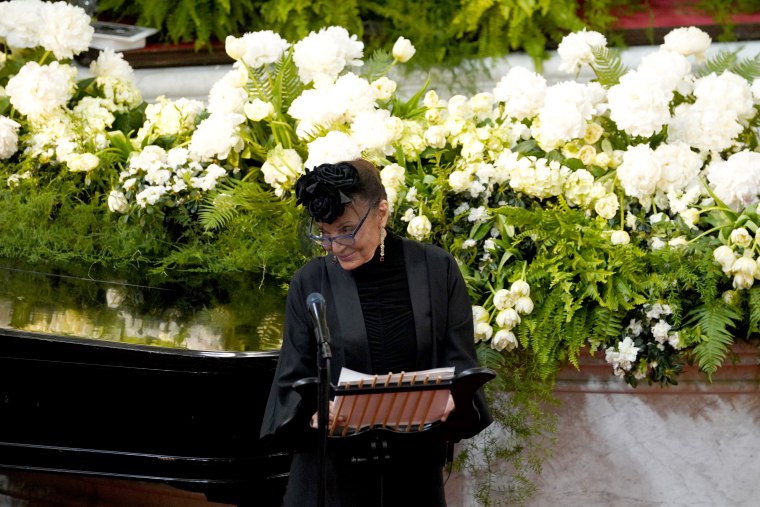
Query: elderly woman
{"x": 393, "y": 305}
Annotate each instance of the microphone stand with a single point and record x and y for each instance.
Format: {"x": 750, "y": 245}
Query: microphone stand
{"x": 323, "y": 409}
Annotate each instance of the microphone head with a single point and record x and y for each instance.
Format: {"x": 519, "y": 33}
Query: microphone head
{"x": 315, "y": 298}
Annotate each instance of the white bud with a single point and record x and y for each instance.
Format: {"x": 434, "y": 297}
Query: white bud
{"x": 403, "y": 50}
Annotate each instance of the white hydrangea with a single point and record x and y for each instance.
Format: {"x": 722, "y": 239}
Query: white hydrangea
{"x": 688, "y": 41}
{"x": 167, "y": 117}
{"x": 736, "y": 181}
{"x": 258, "y": 48}
{"x": 576, "y": 49}
{"x": 322, "y": 56}
{"x": 20, "y": 23}
{"x": 332, "y": 148}
{"x": 281, "y": 169}
{"x": 115, "y": 77}
{"x": 522, "y": 91}
{"x": 217, "y": 136}
{"x": 36, "y": 89}
{"x": 8, "y": 137}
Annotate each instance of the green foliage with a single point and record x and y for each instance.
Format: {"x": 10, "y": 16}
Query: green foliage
{"x": 608, "y": 66}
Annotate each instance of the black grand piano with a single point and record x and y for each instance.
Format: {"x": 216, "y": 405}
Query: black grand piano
{"x": 159, "y": 384}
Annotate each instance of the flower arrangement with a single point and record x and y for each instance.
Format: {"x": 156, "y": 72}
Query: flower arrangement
{"x": 617, "y": 215}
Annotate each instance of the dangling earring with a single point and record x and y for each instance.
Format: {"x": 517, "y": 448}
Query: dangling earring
{"x": 382, "y": 245}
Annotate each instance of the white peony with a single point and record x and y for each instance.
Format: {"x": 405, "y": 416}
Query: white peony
{"x": 65, "y": 29}
{"x": 217, "y": 136}
{"x": 36, "y": 90}
{"x": 8, "y": 137}
{"x": 736, "y": 181}
{"x": 281, "y": 169}
{"x": 261, "y": 48}
{"x": 332, "y": 148}
{"x": 576, "y": 49}
{"x": 322, "y": 56}
{"x": 688, "y": 41}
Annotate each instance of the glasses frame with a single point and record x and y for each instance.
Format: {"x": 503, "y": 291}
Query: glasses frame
{"x": 326, "y": 241}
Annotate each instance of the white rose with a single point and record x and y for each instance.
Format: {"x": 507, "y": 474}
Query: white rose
{"x": 741, "y": 237}
{"x": 82, "y": 162}
{"x": 607, "y": 207}
{"x": 504, "y": 340}
{"x": 117, "y": 202}
{"x": 403, "y": 50}
{"x": 258, "y": 109}
{"x": 419, "y": 227}
{"x": 620, "y": 238}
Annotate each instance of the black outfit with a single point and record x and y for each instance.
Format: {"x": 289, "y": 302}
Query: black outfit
{"x": 410, "y": 312}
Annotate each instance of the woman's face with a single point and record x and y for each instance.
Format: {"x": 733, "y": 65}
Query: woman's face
{"x": 367, "y": 237}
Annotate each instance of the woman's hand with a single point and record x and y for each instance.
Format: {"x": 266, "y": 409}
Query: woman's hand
{"x": 450, "y": 406}
{"x": 314, "y": 423}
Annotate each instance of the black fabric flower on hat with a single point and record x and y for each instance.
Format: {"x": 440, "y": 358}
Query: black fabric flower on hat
{"x": 325, "y": 190}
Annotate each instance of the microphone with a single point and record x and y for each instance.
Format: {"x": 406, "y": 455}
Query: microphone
{"x": 316, "y": 305}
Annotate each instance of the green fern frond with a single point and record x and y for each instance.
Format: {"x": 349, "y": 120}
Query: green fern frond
{"x": 377, "y": 65}
{"x": 608, "y": 66}
{"x": 714, "y": 321}
{"x": 721, "y": 62}
{"x": 753, "y": 302}
{"x": 749, "y": 68}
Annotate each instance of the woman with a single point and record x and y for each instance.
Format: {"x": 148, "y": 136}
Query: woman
{"x": 393, "y": 305}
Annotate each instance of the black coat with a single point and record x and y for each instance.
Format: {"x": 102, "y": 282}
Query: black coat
{"x": 443, "y": 323}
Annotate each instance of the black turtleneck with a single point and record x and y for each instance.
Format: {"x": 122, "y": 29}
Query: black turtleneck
{"x": 387, "y": 309}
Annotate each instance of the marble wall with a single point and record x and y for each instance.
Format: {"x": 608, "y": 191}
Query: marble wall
{"x": 695, "y": 444}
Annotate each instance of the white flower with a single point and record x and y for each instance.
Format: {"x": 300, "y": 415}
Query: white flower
{"x": 332, "y": 148}
{"x": 383, "y": 88}
{"x": 660, "y": 331}
{"x": 620, "y": 238}
{"x": 524, "y": 305}
{"x": 576, "y": 49}
{"x": 741, "y": 237}
{"x": 149, "y": 196}
{"x": 566, "y": 109}
{"x": 227, "y": 96}
{"x": 508, "y": 318}
{"x": 736, "y": 181}
{"x": 607, "y": 207}
{"x": 217, "y": 136}
{"x": 639, "y": 105}
{"x": 435, "y": 136}
{"x": 483, "y": 331}
{"x": 117, "y": 202}
{"x": 36, "y": 90}
{"x": 235, "y": 47}
{"x": 503, "y": 299}
{"x": 520, "y": 288}
{"x": 282, "y": 168}
{"x": 479, "y": 214}
{"x": 82, "y": 162}
{"x": 403, "y": 50}
{"x": 688, "y": 41}
{"x": 419, "y": 227}
{"x": 746, "y": 266}
{"x": 258, "y": 109}
{"x": 480, "y": 314}
{"x": 110, "y": 64}
{"x": 8, "y": 137}
{"x": 504, "y": 340}
{"x": 64, "y": 29}
{"x": 469, "y": 243}
{"x": 321, "y": 56}
{"x": 260, "y": 48}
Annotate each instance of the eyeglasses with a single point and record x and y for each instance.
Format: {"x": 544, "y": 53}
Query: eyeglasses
{"x": 341, "y": 239}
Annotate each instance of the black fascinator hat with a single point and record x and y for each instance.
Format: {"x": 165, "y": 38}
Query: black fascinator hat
{"x": 325, "y": 190}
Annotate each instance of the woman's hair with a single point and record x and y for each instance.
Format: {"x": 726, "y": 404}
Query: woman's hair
{"x": 328, "y": 188}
